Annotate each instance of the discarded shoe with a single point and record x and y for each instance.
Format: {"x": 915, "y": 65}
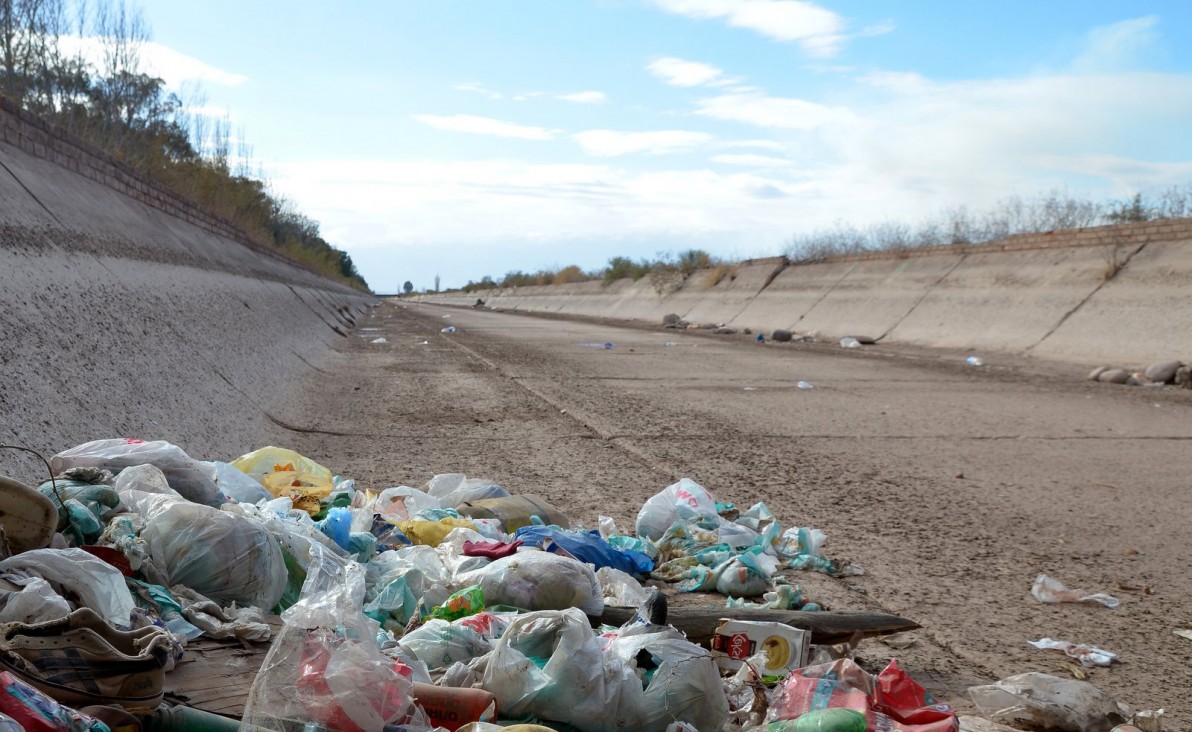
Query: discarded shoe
{"x": 80, "y": 660}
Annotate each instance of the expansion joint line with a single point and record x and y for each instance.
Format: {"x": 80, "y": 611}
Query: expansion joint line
{"x": 923, "y": 297}
{"x": 32, "y": 195}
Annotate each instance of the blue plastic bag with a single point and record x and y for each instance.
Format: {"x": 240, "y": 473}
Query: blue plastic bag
{"x": 338, "y": 526}
{"x": 588, "y": 547}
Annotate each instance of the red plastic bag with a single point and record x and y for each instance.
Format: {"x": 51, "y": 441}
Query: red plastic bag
{"x": 901, "y": 698}
{"x": 891, "y": 702}
{"x": 37, "y": 712}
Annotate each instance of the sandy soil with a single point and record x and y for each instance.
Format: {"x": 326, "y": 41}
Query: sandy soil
{"x": 952, "y": 486}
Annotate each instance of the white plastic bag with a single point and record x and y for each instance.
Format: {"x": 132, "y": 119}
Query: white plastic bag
{"x": 397, "y": 580}
{"x": 222, "y": 555}
{"x": 438, "y": 644}
{"x": 685, "y": 687}
{"x": 402, "y": 502}
{"x": 145, "y": 478}
{"x": 575, "y": 685}
{"x": 73, "y": 573}
{"x": 1050, "y": 590}
{"x": 620, "y": 589}
{"x": 453, "y": 489}
{"x": 1048, "y": 702}
{"x": 238, "y": 485}
{"x": 190, "y": 478}
{"x": 536, "y": 580}
{"x": 685, "y": 500}
{"x": 34, "y": 601}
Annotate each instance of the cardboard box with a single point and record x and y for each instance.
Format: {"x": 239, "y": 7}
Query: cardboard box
{"x": 785, "y": 648}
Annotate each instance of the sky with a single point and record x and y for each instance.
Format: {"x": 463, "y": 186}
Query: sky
{"x": 463, "y": 138}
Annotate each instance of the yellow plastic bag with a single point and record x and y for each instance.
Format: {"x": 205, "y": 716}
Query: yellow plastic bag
{"x": 432, "y": 533}
{"x": 260, "y": 463}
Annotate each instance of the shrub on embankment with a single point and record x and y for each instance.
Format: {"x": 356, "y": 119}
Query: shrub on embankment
{"x": 1053, "y": 211}
{"x": 115, "y": 106}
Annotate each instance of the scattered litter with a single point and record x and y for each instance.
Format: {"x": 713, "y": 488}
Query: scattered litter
{"x": 424, "y": 343}
{"x": 1087, "y": 655}
{"x": 749, "y": 388}
{"x": 850, "y": 342}
{"x": 382, "y": 339}
{"x": 900, "y": 641}
{"x": 670, "y": 344}
{"x": 595, "y": 345}
{"x": 407, "y": 608}
{"x": 1052, "y": 591}
{"x": 805, "y": 385}
{"x": 974, "y": 361}
{"x": 1186, "y": 634}
{"x": 448, "y": 329}
{"x": 1048, "y": 702}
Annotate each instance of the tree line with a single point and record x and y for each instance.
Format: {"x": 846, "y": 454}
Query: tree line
{"x": 80, "y": 66}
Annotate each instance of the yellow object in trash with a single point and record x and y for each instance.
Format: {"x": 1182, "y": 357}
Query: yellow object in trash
{"x": 266, "y": 460}
{"x": 306, "y": 490}
{"x": 432, "y": 533}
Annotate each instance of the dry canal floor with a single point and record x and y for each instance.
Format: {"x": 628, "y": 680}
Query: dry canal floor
{"x": 952, "y": 486}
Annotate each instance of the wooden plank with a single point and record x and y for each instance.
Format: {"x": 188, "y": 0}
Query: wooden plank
{"x": 700, "y": 623}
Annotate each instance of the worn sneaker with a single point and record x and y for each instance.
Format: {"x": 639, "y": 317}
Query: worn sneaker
{"x": 80, "y": 660}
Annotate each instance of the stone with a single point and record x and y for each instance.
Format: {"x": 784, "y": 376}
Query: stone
{"x": 671, "y": 319}
{"x": 1114, "y": 376}
{"x": 725, "y": 331}
{"x": 1095, "y": 373}
{"x": 781, "y": 336}
{"x": 1183, "y": 377}
{"x": 1163, "y": 372}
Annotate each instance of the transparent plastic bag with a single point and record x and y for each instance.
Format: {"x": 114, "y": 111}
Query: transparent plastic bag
{"x": 438, "y": 644}
{"x": 1048, "y": 702}
{"x": 452, "y": 489}
{"x": 222, "y": 555}
{"x": 550, "y": 665}
{"x": 238, "y": 485}
{"x": 536, "y": 580}
{"x": 145, "y": 478}
{"x": 73, "y": 573}
{"x": 192, "y": 479}
{"x": 402, "y": 502}
{"x": 34, "y": 602}
{"x": 325, "y": 667}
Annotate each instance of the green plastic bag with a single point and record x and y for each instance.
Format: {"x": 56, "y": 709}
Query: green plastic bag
{"x": 467, "y": 601}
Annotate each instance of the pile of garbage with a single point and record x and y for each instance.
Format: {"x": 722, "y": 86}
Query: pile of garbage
{"x": 454, "y": 606}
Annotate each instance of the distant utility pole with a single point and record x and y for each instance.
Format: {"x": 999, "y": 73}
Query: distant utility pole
{"x": 436, "y": 283}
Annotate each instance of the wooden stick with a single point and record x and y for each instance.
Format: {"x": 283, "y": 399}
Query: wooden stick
{"x": 700, "y": 623}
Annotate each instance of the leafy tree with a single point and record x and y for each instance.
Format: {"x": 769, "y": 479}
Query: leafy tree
{"x": 408, "y": 287}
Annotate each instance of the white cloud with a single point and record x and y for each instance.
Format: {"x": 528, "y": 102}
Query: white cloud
{"x": 475, "y": 125}
{"x": 752, "y": 161}
{"x": 758, "y": 144}
{"x": 173, "y": 67}
{"x": 584, "y": 97}
{"x": 611, "y": 143}
{"x": 817, "y": 30}
{"x": 477, "y": 88}
{"x": 773, "y": 112}
{"x": 1117, "y": 46}
{"x": 678, "y": 72}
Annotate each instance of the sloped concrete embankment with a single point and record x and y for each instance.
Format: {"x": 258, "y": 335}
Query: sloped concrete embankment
{"x": 1113, "y": 294}
{"x": 128, "y": 313}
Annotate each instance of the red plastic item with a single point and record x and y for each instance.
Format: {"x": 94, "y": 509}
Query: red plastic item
{"x": 319, "y": 700}
{"x": 35, "y": 711}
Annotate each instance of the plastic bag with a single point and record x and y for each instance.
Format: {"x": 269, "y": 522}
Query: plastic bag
{"x": 145, "y": 478}
{"x": 468, "y": 601}
{"x": 890, "y": 701}
{"x": 683, "y": 683}
{"x": 452, "y": 489}
{"x": 438, "y": 643}
{"x": 1048, "y": 702}
{"x": 34, "y": 601}
{"x": 432, "y": 533}
{"x": 685, "y": 500}
{"x": 1087, "y": 655}
{"x": 73, "y": 573}
{"x": 549, "y": 664}
{"x": 398, "y": 580}
{"x": 620, "y": 589}
{"x": 222, "y": 555}
{"x": 33, "y": 711}
{"x": 324, "y": 666}
{"x": 587, "y": 547}
{"x": 192, "y": 479}
{"x": 238, "y": 485}
{"x": 286, "y": 473}
{"x": 84, "y": 507}
{"x": 401, "y": 503}
{"x": 1049, "y": 590}
{"x": 535, "y": 580}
